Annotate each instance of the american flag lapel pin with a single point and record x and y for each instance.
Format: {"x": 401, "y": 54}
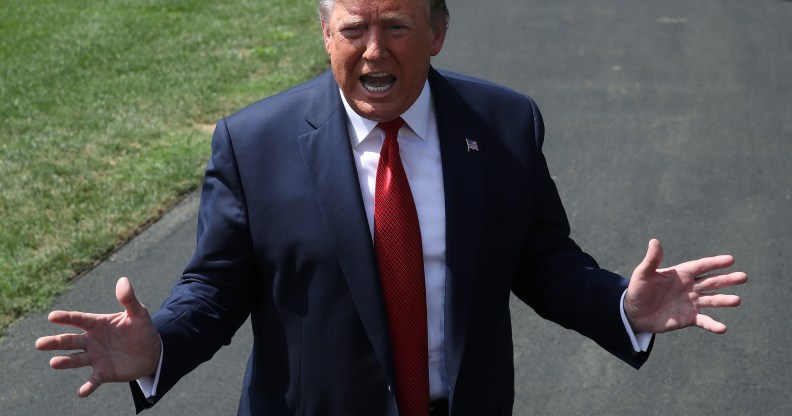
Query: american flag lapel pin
{"x": 472, "y": 145}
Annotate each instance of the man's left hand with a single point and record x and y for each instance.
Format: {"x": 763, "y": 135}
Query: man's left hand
{"x": 662, "y": 300}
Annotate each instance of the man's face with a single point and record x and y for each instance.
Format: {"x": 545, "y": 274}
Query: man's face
{"x": 379, "y": 51}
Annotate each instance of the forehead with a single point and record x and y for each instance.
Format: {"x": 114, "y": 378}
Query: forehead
{"x": 380, "y": 8}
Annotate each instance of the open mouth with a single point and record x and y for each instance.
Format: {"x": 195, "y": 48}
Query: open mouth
{"x": 378, "y": 83}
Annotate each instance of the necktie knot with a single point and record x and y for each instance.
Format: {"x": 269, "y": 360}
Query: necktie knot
{"x": 391, "y": 128}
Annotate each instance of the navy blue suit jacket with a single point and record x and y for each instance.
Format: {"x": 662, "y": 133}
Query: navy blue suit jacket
{"x": 283, "y": 238}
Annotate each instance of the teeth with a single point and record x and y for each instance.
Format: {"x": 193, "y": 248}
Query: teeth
{"x": 377, "y": 86}
{"x": 377, "y": 89}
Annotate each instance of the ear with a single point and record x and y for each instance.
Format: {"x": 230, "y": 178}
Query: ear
{"x": 438, "y": 38}
{"x": 327, "y": 36}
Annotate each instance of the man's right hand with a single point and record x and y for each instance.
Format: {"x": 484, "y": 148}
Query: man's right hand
{"x": 120, "y": 347}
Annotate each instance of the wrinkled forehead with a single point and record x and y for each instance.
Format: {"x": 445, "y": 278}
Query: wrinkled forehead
{"x": 326, "y": 7}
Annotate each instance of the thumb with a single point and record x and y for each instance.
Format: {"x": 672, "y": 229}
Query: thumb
{"x": 654, "y": 256}
{"x": 126, "y": 297}
{"x": 89, "y": 387}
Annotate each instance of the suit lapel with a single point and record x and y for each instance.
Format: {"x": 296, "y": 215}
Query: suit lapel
{"x": 464, "y": 193}
{"x": 327, "y": 155}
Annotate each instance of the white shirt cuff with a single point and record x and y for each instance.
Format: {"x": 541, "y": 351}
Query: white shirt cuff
{"x": 640, "y": 340}
{"x": 148, "y": 384}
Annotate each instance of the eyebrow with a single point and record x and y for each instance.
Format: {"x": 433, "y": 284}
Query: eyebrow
{"x": 390, "y": 17}
{"x": 351, "y": 20}
{"x": 396, "y": 18}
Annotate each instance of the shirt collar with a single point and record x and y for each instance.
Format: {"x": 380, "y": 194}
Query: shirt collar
{"x": 416, "y": 117}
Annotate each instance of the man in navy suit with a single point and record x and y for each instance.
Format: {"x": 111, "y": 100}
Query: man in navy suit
{"x": 287, "y": 236}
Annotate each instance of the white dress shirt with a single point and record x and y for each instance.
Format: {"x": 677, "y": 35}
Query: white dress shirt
{"x": 419, "y": 148}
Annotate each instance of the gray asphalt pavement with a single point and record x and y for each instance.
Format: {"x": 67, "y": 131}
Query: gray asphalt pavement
{"x": 664, "y": 119}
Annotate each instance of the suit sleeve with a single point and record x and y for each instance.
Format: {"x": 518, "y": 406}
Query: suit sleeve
{"x": 214, "y": 296}
{"x": 560, "y": 281}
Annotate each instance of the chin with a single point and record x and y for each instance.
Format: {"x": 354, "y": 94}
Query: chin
{"x": 376, "y": 112}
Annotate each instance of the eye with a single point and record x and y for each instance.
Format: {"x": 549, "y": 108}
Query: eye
{"x": 351, "y": 32}
{"x": 397, "y": 28}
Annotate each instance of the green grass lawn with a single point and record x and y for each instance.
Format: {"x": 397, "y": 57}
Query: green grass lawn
{"x": 106, "y": 111}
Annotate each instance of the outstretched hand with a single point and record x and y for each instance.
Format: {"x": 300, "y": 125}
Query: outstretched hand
{"x": 662, "y": 300}
{"x": 120, "y": 347}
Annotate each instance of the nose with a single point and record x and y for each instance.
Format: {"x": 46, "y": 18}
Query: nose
{"x": 376, "y": 47}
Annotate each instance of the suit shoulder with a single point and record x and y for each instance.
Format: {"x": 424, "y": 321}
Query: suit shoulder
{"x": 492, "y": 93}
{"x": 287, "y": 107}
{"x": 503, "y": 107}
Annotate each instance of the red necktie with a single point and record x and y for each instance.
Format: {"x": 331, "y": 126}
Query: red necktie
{"x": 397, "y": 242}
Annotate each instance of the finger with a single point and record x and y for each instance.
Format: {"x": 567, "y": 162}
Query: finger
{"x": 652, "y": 260}
{"x": 705, "y": 322}
{"x": 61, "y": 342}
{"x": 76, "y": 360}
{"x": 718, "y": 301}
{"x": 719, "y": 281}
{"x": 126, "y": 297}
{"x": 706, "y": 264}
{"x": 89, "y": 387}
{"x": 76, "y": 319}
